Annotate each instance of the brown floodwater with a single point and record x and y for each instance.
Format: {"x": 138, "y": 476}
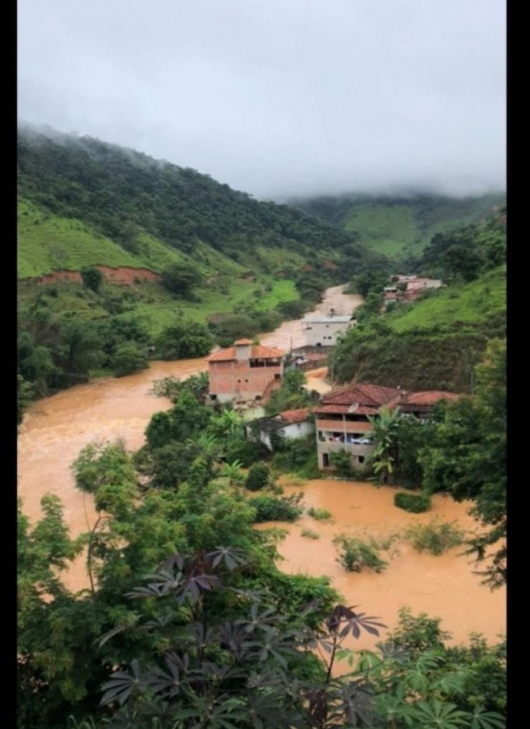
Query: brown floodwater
{"x": 290, "y": 334}
{"x": 56, "y": 428}
{"x": 443, "y": 586}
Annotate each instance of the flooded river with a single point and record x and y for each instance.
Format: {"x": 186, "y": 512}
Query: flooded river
{"x": 56, "y": 428}
{"x": 442, "y": 586}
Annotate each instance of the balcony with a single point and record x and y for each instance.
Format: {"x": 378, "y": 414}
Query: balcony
{"x": 354, "y": 449}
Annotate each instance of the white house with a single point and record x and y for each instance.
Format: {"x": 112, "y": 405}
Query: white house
{"x": 290, "y": 424}
{"x": 323, "y": 331}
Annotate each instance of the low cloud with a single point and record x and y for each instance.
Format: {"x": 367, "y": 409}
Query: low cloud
{"x": 280, "y": 98}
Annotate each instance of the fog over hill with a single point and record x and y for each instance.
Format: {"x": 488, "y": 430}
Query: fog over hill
{"x": 280, "y": 99}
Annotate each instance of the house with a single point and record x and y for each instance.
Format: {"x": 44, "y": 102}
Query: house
{"x": 420, "y": 404}
{"x": 290, "y": 424}
{"x": 342, "y": 417}
{"x": 306, "y": 358}
{"x": 244, "y": 373}
{"x": 323, "y": 331}
{"x": 419, "y": 284}
{"x": 342, "y": 421}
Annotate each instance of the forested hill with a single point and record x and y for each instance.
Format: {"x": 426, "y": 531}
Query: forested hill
{"x": 135, "y": 210}
{"x": 401, "y": 227}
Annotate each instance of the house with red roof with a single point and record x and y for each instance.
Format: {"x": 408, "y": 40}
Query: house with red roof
{"x": 290, "y": 424}
{"x": 342, "y": 418}
{"x": 244, "y": 373}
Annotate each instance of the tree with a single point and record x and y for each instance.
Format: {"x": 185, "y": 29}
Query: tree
{"x": 127, "y": 359}
{"x": 186, "y": 419}
{"x": 385, "y": 430}
{"x": 92, "y": 278}
{"x": 180, "y": 278}
{"x": 468, "y": 458}
{"x": 258, "y": 477}
{"x": 183, "y": 340}
{"x": 25, "y": 394}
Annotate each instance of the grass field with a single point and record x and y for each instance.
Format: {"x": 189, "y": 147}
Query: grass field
{"x": 47, "y": 243}
{"x": 470, "y": 304}
{"x": 404, "y": 227}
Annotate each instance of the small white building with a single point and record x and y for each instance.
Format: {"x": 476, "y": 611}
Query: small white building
{"x": 291, "y": 424}
{"x": 323, "y": 331}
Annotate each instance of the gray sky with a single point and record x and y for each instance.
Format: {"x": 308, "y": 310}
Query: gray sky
{"x": 280, "y": 97}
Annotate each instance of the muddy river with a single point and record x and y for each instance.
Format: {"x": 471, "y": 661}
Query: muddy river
{"x": 56, "y": 428}
{"x": 442, "y": 586}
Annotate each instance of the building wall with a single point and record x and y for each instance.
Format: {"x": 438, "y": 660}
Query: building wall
{"x": 233, "y": 379}
{"x": 324, "y": 335}
{"x": 326, "y": 432}
{"x": 291, "y": 432}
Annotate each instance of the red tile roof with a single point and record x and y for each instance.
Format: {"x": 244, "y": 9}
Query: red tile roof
{"x": 364, "y": 394}
{"x": 296, "y": 416}
{"x": 243, "y": 341}
{"x": 256, "y": 352}
{"x": 429, "y": 397}
{"x": 345, "y": 409}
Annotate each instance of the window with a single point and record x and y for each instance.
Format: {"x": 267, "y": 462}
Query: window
{"x": 213, "y": 397}
{"x": 277, "y": 376}
{"x": 361, "y": 459}
{"x": 325, "y": 460}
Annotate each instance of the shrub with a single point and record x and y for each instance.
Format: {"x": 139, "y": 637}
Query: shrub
{"x": 180, "y": 278}
{"x": 184, "y": 340}
{"x": 341, "y": 460}
{"x": 436, "y": 537}
{"x": 258, "y": 477}
{"x": 309, "y": 534}
{"x": 415, "y": 503}
{"x": 319, "y": 514}
{"x": 92, "y": 278}
{"x": 277, "y": 508}
{"x": 127, "y": 359}
{"x": 355, "y": 555}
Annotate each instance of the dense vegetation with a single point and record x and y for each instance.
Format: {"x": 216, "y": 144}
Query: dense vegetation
{"x": 124, "y": 196}
{"x": 226, "y": 261}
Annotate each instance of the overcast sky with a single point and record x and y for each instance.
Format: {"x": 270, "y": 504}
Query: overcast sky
{"x": 280, "y": 97}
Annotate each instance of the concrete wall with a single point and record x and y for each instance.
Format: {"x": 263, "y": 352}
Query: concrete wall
{"x": 325, "y": 334}
{"x": 229, "y": 380}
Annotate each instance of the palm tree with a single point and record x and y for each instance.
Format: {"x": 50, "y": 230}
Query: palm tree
{"x": 385, "y": 456}
{"x": 227, "y": 425}
{"x": 233, "y": 473}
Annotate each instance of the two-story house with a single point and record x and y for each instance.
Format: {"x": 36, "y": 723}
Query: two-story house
{"x": 245, "y": 372}
{"x": 342, "y": 417}
{"x": 322, "y": 330}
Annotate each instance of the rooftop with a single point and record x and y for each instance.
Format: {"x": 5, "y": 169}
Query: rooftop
{"x": 258, "y": 351}
{"x": 428, "y": 397}
{"x": 295, "y": 416}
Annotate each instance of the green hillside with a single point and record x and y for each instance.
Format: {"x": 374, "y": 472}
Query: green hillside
{"x": 85, "y": 202}
{"x": 434, "y": 342}
{"x": 401, "y": 227}
{"x": 473, "y": 303}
